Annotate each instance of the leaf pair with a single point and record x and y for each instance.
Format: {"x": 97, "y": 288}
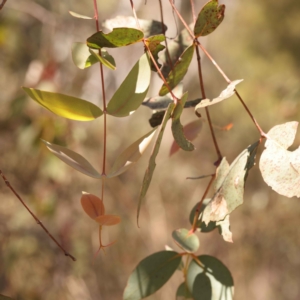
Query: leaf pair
{"x": 94, "y": 208}
{"x": 122, "y": 163}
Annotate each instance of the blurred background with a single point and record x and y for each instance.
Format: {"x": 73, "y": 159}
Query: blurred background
{"x": 258, "y": 41}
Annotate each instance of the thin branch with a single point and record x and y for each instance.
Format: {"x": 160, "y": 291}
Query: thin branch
{"x": 33, "y": 215}
{"x": 206, "y": 108}
{"x": 197, "y": 212}
{"x": 2, "y": 4}
{"x": 193, "y": 10}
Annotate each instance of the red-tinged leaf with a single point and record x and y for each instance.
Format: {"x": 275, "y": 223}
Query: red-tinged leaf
{"x": 92, "y": 205}
{"x": 190, "y": 131}
{"x": 108, "y": 220}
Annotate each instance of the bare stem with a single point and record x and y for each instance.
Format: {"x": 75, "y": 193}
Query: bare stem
{"x": 2, "y": 4}
{"x": 34, "y": 216}
{"x": 206, "y": 108}
{"x": 96, "y": 16}
{"x": 197, "y": 212}
{"x": 193, "y": 10}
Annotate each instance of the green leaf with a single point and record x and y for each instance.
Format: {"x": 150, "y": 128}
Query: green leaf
{"x": 175, "y": 49}
{"x": 190, "y": 131}
{"x": 183, "y": 293}
{"x": 76, "y": 15}
{"x": 152, "y": 164}
{"x": 228, "y": 92}
{"x": 189, "y": 242}
{"x": 177, "y": 128}
{"x": 179, "y": 70}
{"x": 65, "y": 106}
{"x": 81, "y": 56}
{"x": 279, "y": 167}
{"x": 106, "y": 59}
{"x": 132, "y": 91}
{"x": 73, "y": 159}
{"x": 229, "y": 185}
{"x": 209, "y": 18}
{"x": 155, "y": 47}
{"x": 200, "y": 224}
{"x": 119, "y": 37}
{"x": 149, "y": 27}
{"x": 151, "y": 274}
{"x": 212, "y": 281}
{"x": 131, "y": 155}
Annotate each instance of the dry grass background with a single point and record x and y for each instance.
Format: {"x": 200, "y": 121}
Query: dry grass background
{"x": 258, "y": 41}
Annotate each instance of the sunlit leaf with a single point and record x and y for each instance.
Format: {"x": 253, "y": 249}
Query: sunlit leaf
{"x": 209, "y": 18}
{"x": 65, "y": 106}
{"x": 279, "y": 167}
{"x": 151, "y": 274}
{"x": 76, "y": 15}
{"x": 155, "y": 47}
{"x": 190, "y": 131}
{"x": 211, "y": 281}
{"x": 106, "y": 59}
{"x": 230, "y": 185}
{"x": 177, "y": 128}
{"x": 108, "y": 220}
{"x": 183, "y": 293}
{"x": 200, "y": 224}
{"x": 81, "y": 56}
{"x": 179, "y": 70}
{"x": 189, "y": 242}
{"x": 152, "y": 164}
{"x": 224, "y": 229}
{"x": 228, "y": 92}
{"x": 149, "y": 27}
{"x": 131, "y": 155}
{"x": 132, "y": 91}
{"x": 92, "y": 205}
{"x": 73, "y": 159}
{"x": 119, "y": 37}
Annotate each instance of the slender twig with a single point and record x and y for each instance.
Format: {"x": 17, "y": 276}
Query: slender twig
{"x": 175, "y": 99}
{"x": 251, "y": 116}
{"x": 34, "y": 216}
{"x": 96, "y": 16}
{"x": 2, "y": 4}
{"x": 206, "y": 108}
{"x": 197, "y": 211}
{"x": 193, "y": 10}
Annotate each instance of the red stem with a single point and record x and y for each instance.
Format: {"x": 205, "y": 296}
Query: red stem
{"x": 36, "y": 219}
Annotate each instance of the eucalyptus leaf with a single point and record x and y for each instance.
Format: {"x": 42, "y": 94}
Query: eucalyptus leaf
{"x": 149, "y": 27}
{"x": 179, "y": 70}
{"x": 279, "y": 167}
{"x": 177, "y": 128}
{"x": 183, "y": 293}
{"x": 73, "y": 159}
{"x": 209, "y": 18}
{"x": 131, "y": 155}
{"x": 81, "y": 56}
{"x": 132, "y": 91}
{"x": 210, "y": 281}
{"x": 152, "y": 164}
{"x": 225, "y": 94}
{"x": 119, "y": 37}
{"x": 151, "y": 274}
{"x": 105, "y": 59}
{"x": 65, "y": 106}
{"x": 187, "y": 241}
{"x": 230, "y": 186}
{"x": 76, "y": 15}
{"x": 153, "y": 43}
